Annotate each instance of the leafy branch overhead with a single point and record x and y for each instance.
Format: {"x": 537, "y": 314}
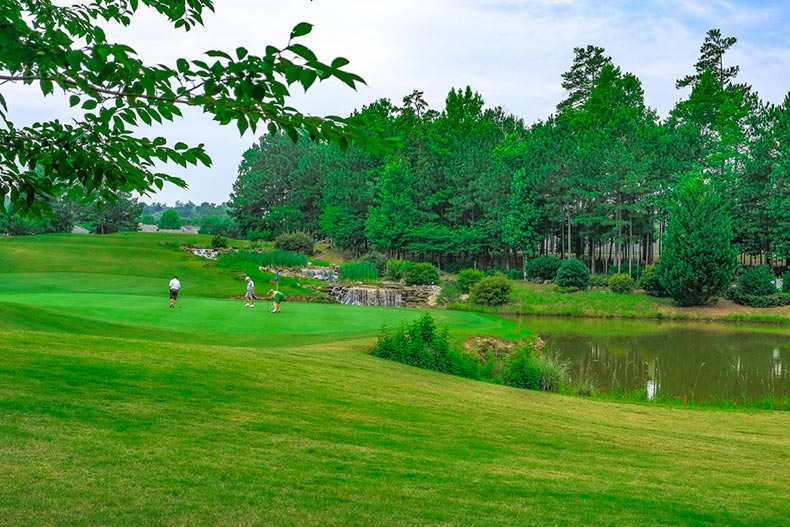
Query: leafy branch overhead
{"x": 64, "y": 49}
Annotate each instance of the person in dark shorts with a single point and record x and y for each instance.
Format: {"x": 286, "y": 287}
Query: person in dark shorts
{"x": 277, "y": 297}
{"x": 175, "y": 287}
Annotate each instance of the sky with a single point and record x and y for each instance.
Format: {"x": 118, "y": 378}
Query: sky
{"x": 512, "y": 52}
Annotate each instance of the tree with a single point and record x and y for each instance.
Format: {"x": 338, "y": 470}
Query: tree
{"x": 122, "y": 213}
{"x": 64, "y": 48}
{"x": 583, "y": 75}
{"x": 698, "y": 260}
{"x": 170, "y": 220}
{"x": 712, "y": 58}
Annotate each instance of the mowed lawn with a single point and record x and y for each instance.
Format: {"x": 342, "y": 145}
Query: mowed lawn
{"x": 115, "y": 410}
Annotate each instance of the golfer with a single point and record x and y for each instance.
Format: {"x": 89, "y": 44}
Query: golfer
{"x": 174, "y": 286}
{"x": 250, "y": 294}
{"x": 277, "y": 297}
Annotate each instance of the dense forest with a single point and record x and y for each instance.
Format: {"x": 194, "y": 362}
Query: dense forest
{"x": 474, "y": 186}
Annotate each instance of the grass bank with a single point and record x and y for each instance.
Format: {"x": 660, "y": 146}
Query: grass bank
{"x": 542, "y": 299}
{"x": 115, "y": 410}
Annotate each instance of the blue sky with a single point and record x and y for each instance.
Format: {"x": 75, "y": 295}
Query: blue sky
{"x": 512, "y": 52}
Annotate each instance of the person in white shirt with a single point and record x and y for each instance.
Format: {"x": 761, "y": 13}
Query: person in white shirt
{"x": 175, "y": 286}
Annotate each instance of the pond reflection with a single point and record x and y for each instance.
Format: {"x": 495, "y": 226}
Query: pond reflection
{"x": 671, "y": 359}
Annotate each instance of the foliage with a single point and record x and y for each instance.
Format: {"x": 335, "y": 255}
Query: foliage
{"x": 572, "y": 273}
{"x": 297, "y": 242}
{"x": 112, "y": 92}
{"x": 650, "y": 281}
{"x": 491, "y": 291}
{"x": 739, "y": 296}
{"x": 542, "y": 268}
{"x": 423, "y": 273}
{"x": 170, "y": 220}
{"x": 757, "y": 280}
{"x": 219, "y": 241}
{"x": 422, "y": 345}
{"x": 621, "y": 283}
{"x": 535, "y": 370}
{"x": 449, "y": 294}
{"x": 254, "y": 259}
{"x": 786, "y": 282}
{"x": 398, "y": 269}
{"x": 364, "y": 272}
{"x": 468, "y": 278}
{"x": 698, "y": 260}
{"x": 379, "y": 260}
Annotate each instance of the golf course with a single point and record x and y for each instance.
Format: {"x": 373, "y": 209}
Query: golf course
{"x": 115, "y": 410}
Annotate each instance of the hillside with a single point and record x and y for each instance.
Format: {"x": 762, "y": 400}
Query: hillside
{"x": 118, "y": 411}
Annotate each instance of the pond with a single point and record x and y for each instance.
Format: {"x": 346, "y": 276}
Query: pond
{"x": 702, "y": 361}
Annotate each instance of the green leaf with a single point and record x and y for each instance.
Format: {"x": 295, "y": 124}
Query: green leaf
{"x": 307, "y": 78}
{"x": 217, "y": 53}
{"x": 339, "y": 62}
{"x": 182, "y": 65}
{"x": 301, "y": 29}
{"x": 74, "y": 100}
{"x": 90, "y": 104}
{"x": 241, "y": 52}
{"x": 303, "y": 51}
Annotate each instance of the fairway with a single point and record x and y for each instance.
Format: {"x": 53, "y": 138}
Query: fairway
{"x": 116, "y": 410}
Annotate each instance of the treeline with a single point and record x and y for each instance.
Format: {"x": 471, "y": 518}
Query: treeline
{"x": 475, "y": 186}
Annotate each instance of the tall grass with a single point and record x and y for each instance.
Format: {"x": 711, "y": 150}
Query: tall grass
{"x": 364, "y": 272}
{"x": 275, "y": 258}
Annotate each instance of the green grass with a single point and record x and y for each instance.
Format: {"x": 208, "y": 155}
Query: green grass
{"x": 115, "y": 410}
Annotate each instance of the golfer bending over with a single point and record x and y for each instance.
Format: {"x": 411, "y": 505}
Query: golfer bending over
{"x": 277, "y": 297}
{"x": 250, "y": 294}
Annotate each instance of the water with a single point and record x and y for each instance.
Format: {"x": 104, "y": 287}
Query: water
{"x": 369, "y": 296}
{"x": 702, "y": 361}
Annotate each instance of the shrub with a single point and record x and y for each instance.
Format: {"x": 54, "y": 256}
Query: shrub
{"x": 297, "y": 242}
{"x": 468, "y": 278}
{"x": 378, "y": 259}
{"x": 786, "y": 282}
{"x": 491, "y": 291}
{"x": 649, "y": 281}
{"x": 254, "y": 259}
{"x": 757, "y": 280}
{"x": 423, "y": 273}
{"x": 621, "y": 283}
{"x": 598, "y": 280}
{"x": 535, "y": 370}
{"x": 420, "y": 344}
{"x": 219, "y": 242}
{"x": 359, "y": 272}
{"x": 450, "y": 293}
{"x": 573, "y": 273}
{"x": 397, "y": 269}
{"x": 542, "y": 268}
{"x": 514, "y": 274}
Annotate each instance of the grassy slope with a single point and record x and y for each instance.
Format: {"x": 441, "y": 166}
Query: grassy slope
{"x": 117, "y": 410}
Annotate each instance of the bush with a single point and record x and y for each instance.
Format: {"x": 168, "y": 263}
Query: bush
{"x": 491, "y": 291}
{"x": 542, "y": 268}
{"x": 514, "y": 274}
{"x": 420, "y": 344}
{"x": 621, "y": 283}
{"x": 786, "y": 282}
{"x": 254, "y": 259}
{"x": 423, "y": 273}
{"x": 649, "y": 281}
{"x": 534, "y": 370}
{"x": 758, "y": 281}
{"x": 297, "y": 242}
{"x": 378, "y": 259}
{"x": 397, "y": 269}
{"x": 359, "y": 272}
{"x": 468, "y": 278}
{"x": 219, "y": 242}
{"x": 573, "y": 274}
{"x": 450, "y": 293}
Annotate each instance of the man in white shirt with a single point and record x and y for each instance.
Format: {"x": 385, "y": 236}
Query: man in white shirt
{"x": 175, "y": 286}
